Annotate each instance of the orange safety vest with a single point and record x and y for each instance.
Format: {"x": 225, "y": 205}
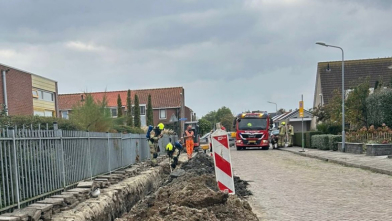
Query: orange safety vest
{"x": 189, "y": 135}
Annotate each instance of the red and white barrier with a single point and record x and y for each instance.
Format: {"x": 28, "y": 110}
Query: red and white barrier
{"x": 222, "y": 161}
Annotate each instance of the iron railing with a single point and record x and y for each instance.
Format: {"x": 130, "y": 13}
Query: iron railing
{"x": 38, "y": 163}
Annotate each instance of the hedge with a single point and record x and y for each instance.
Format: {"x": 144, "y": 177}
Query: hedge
{"x": 307, "y": 137}
{"x": 127, "y": 129}
{"x": 28, "y": 121}
{"x": 326, "y": 141}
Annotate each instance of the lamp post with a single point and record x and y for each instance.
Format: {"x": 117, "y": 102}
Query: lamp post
{"x": 343, "y": 92}
{"x": 276, "y": 106}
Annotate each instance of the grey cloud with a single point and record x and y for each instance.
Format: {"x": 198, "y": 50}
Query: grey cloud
{"x": 228, "y": 53}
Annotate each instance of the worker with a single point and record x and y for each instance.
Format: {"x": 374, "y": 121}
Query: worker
{"x": 291, "y": 134}
{"x": 282, "y": 134}
{"x": 189, "y": 134}
{"x": 174, "y": 152}
{"x": 153, "y": 139}
{"x": 223, "y": 128}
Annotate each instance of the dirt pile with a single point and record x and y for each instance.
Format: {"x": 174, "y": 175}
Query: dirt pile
{"x": 193, "y": 196}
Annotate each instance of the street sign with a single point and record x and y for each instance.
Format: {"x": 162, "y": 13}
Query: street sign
{"x": 183, "y": 119}
{"x": 301, "y": 109}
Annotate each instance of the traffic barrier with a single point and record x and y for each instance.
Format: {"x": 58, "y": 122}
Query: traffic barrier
{"x": 222, "y": 161}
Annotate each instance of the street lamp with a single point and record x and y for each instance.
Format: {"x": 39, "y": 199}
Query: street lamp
{"x": 343, "y": 92}
{"x": 276, "y": 106}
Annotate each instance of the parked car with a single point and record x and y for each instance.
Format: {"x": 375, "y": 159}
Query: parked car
{"x": 205, "y": 137}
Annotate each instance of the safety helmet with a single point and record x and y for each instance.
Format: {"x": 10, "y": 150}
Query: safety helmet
{"x": 283, "y": 123}
{"x": 169, "y": 147}
{"x": 161, "y": 126}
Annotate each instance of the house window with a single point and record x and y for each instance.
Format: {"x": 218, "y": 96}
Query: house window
{"x": 43, "y": 95}
{"x": 64, "y": 114}
{"x": 45, "y": 113}
{"x": 114, "y": 112}
{"x": 35, "y": 94}
{"x": 162, "y": 114}
{"x": 142, "y": 110}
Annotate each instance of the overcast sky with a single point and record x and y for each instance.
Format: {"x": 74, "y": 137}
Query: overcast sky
{"x": 238, "y": 54}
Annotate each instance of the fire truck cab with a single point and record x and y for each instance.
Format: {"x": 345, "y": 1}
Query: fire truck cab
{"x": 252, "y": 130}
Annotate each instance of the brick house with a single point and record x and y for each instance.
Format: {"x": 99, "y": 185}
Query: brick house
{"x": 329, "y": 77}
{"x": 166, "y": 103}
{"x": 24, "y": 93}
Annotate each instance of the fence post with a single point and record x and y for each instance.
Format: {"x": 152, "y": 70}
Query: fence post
{"x": 15, "y": 164}
{"x": 108, "y": 149}
{"x": 60, "y": 134}
{"x": 122, "y": 150}
{"x": 89, "y": 153}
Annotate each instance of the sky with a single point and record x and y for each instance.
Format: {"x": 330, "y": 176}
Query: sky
{"x": 233, "y": 53}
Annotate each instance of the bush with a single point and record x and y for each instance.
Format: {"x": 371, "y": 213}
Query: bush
{"x": 34, "y": 121}
{"x": 326, "y": 141}
{"x": 333, "y": 141}
{"x": 307, "y": 138}
{"x": 379, "y": 105}
{"x": 128, "y": 129}
{"x": 328, "y": 128}
{"x": 320, "y": 142}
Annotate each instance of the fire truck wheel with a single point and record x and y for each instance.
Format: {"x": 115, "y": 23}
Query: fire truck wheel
{"x": 265, "y": 148}
{"x": 240, "y": 148}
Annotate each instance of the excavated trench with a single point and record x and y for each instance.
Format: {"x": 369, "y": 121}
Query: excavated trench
{"x": 191, "y": 193}
{"x": 142, "y": 192}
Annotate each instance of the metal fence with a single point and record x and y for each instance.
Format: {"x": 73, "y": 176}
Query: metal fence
{"x": 38, "y": 163}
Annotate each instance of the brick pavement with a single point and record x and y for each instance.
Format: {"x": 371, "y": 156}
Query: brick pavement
{"x": 378, "y": 164}
{"x": 291, "y": 187}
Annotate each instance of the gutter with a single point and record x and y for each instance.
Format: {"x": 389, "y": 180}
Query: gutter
{"x": 5, "y": 91}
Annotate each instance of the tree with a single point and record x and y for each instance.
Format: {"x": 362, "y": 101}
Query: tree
{"x": 92, "y": 115}
{"x": 150, "y": 116}
{"x": 227, "y": 121}
{"x": 129, "y": 120}
{"x": 204, "y": 125}
{"x": 221, "y": 112}
{"x": 119, "y": 107}
{"x": 356, "y": 111}
{"x": 137, "y": 112}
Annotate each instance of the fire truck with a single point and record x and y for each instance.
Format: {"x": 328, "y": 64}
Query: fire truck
{"x": 252, "y": 130}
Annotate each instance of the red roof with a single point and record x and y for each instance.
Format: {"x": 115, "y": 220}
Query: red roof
{"x": 160, "y": 97}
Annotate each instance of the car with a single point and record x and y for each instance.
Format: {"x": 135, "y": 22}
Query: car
{"x": 205, "y": 137}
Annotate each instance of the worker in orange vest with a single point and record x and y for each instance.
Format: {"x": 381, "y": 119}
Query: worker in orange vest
{"x": 189, "y": 134}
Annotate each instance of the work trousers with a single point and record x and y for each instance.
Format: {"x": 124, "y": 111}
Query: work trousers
{"x": 189, "y": 148}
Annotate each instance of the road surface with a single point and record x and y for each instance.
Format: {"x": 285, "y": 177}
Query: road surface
{"x": 287, "y": 186}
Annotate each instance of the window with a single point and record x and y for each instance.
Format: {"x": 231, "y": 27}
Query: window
{"x": 114, "y": 112}
{"x": 162, "y": 114}
{"x": 45, "y": 113}
{"x": 142, "y": 110}
{"x": 43, "y": 95}
{"x": 35, "y": 94}
{"x": 64, "y": 114}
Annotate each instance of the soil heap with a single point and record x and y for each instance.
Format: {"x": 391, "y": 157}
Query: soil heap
{"x": 194, "y": 196}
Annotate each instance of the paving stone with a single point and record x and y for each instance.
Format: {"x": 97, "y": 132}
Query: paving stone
{"x": 89, "y": 184}
{"x": 9, "y": 218}
{"x": 54, "y": 201}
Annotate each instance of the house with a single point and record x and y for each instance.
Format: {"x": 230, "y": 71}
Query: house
{"x": 329, "y": 76}
{"x": 25, "y": 93}
{"x": 168, "y": 103}
{"x": 293, "y": 118}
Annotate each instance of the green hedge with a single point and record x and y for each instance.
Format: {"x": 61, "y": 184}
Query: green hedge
{"x": 326, "y": 141}
{"x": 127, "y": 129}
{"x": 307, "y": 137}
{"x": 333, "y": 141}
{"x": 28, "y": 121}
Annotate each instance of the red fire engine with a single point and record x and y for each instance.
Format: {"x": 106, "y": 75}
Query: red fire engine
{"x": 252, "y": 130}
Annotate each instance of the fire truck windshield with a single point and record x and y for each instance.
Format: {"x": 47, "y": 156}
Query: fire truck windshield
{"x": 252, "y": 124}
